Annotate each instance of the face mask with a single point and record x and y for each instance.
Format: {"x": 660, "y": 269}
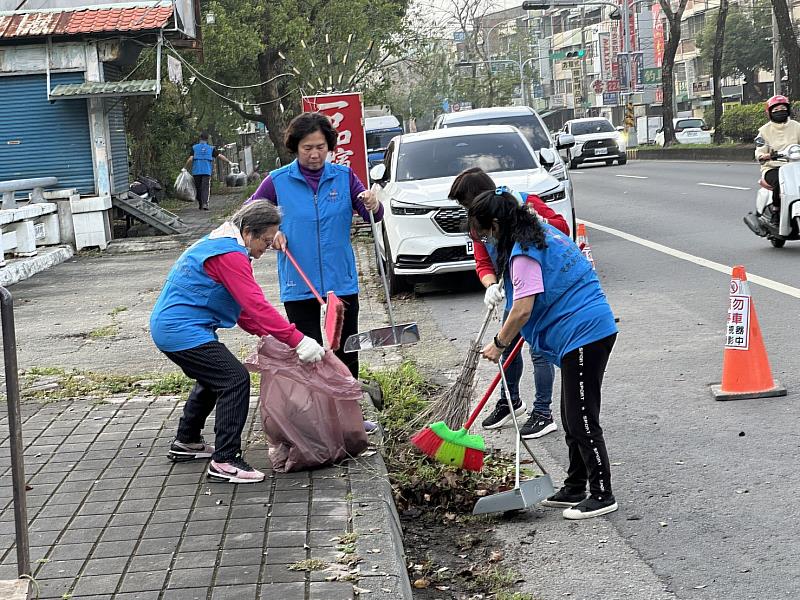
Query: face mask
{"x": 779, "y": 116}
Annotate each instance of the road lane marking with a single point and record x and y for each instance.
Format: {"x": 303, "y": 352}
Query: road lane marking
{"x": 776, "y": 286}
{"x": 632, "y": 176}
{"x": 719, "y": 185}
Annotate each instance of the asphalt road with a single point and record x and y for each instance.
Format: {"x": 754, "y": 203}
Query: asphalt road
{"x": 708, "y": 490}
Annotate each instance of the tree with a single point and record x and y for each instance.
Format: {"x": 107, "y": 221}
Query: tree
{"x": 271, "y": 53}
{"x": 719, "y": 46}
{"x": 791, "y": 50}
{"x": 668, "y": 64}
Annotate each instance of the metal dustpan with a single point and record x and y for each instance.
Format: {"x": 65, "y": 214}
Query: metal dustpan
{"x": 382, "y": 337}
{"x": 525, "y": 493}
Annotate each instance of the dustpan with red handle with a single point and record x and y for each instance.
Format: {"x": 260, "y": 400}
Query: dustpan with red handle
{"x": 333, "y": 310}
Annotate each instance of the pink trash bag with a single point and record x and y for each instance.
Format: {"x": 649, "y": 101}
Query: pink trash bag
{"x": 309, "y": 412}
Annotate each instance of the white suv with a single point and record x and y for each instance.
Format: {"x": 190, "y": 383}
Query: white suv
{"x": 596, "y": 140}
{"x": 422, "y": 229}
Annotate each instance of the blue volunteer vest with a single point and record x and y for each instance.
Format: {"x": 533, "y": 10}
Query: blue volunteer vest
{"x": 317, "y": 227}
{"x": 192, "y": 306}
{"x": 202, "y": 158}
{"x": 572, "y": 311}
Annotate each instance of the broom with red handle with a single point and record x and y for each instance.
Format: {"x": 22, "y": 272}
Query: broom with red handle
{"x": 459, "y": 448}
{"x": 334, "y": 308}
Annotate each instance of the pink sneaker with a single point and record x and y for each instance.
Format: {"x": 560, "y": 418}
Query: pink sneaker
{"x": 235, "y": 470}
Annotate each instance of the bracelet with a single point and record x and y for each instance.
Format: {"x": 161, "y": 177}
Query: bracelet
{"x": 498, "y": 345}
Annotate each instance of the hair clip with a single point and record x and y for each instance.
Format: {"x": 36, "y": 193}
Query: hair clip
{"x": 501, "y": 190}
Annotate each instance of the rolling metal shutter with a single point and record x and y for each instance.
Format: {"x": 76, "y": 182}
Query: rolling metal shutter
{"x": 40, "y": 139}
{"x": 115, "y": 111}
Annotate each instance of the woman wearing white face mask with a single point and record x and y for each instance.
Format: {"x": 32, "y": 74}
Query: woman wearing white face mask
{"x": 780, "y": 132}
{"x": 210, "y": 287}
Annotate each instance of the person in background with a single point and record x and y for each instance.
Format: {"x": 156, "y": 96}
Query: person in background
{"x": 466, "y": 187}
{"x": 561, "y": 311}
{"x": 211, "y": 286}
{"x": 201, "y": 162}
{"x": 317, "y": 199}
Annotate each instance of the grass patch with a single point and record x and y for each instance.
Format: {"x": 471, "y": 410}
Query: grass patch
{"x": 171, "y": 384}
{"x": 309, "y": 564}
{"x": 48, "y": 384}
{"x": 106, "y": 331}
{"x": 116, "y": 310}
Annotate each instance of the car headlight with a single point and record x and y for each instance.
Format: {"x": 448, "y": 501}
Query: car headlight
{"x": 559, "y": 171}
{"x": 793, "y": 152}
{"x": 554, "y": 196}
{"x": 400, "y": 208}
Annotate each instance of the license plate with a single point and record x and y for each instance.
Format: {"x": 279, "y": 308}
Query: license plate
{"x": 691, "y": 133}
{"x": 601, "y": 151}
{"x": 470, "y": 248}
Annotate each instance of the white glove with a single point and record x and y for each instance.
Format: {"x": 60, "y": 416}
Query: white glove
{"x": 495, "y": 294}
{"x": 309, "y": 351}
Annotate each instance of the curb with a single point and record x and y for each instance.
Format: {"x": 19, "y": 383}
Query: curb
{"x": 375, "y": 518}
{"x": 23, "y": 268}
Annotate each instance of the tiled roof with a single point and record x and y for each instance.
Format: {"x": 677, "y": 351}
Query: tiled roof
{"x": 137, "y": 16}
{"x": 141, "y": 87}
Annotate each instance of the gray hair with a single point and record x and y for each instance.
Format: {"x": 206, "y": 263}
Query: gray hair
{"x": 257, "y": 217}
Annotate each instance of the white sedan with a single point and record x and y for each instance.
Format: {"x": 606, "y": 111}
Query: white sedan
{"x": 422, "y": 232}
{"x": 688, "y": 130}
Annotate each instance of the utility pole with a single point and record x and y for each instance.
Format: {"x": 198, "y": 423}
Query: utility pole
{"x": 776, "y": 54}
{"x": 584, "y": 87}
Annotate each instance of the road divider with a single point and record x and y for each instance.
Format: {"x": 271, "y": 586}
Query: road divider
{"x": 771, "y": 284}
{"x": 727, "y": 187}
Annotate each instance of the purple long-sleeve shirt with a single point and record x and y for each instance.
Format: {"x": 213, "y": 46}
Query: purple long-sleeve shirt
{"x": 266, "y": 191}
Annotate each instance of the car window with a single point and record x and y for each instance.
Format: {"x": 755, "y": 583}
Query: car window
{"x": 586, "y": 127}
{"x": 378, "y": 140}
{"x": 447, "y": 157}
{"x": 529, "y": 125}
{"x": 684, "y": 123}
{"x": 387, "y": 158}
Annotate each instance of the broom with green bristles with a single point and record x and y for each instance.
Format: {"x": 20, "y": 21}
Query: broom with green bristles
{"x": 460, "y": 448}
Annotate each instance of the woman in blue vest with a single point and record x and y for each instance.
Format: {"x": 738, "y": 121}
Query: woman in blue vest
{"x": 202, "y": 165}
{"x": 561, "y": 311}
{"x": 210, "y": 287}
{"x": 317, "y": 200}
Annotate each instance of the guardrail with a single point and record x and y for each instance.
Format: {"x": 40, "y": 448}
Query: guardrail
{"x": 36, "y": 185}
{"x": 23, "y": 226}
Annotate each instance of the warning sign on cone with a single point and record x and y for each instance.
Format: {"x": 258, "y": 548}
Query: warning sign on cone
{"x": 745, "y": 366}
{"x": 582, "y": 240}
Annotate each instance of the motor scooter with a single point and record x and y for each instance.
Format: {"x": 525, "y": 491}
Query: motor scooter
{"x": 788, "y": 227}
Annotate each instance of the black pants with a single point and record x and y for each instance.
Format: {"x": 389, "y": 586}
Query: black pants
{"x": 202, "y": 185}
{"x": 223, "y": 381}
{"x": 581, "y": 379}
{"x": 305, "y": 314}
{"x": 771, "y": 177}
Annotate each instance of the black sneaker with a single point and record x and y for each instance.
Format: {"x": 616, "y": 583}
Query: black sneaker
{"x": 501, "y": 415}
{"x": 564, "y": 498}
{"x": 181, "y": 451}
{"x": 537, "y": 426}
{"x": 591, "y": 507}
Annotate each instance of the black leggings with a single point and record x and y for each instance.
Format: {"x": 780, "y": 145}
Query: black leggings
{"x": 771, "y": 177}
{"x": 305, "y": 314}
{"x": 581, "y": 379}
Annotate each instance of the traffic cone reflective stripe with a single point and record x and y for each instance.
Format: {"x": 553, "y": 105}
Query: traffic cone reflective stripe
{"x": 582, "y": 240}
{"x": 745, "y": 366}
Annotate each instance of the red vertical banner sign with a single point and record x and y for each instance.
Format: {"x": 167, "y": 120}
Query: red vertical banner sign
{"x": 346, "y": 112}
{"x": 658, "y": 34}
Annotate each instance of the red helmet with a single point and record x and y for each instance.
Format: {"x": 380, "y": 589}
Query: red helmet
{"x": 775, "y": 101}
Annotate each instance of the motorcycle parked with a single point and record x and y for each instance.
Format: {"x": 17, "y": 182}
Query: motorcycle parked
{"x": 760, "y": 221}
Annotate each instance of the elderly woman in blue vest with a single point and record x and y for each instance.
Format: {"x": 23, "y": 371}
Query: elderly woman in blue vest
{"x": 210, "y": 287}
{"x": 317, "y": 199}
{"x": 202, "y": 165}
{"x": 561, "y": 311}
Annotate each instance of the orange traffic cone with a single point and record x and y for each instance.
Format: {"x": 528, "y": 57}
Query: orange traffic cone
{"x": 745, "y": 367}
{"x": 583, "y": 243}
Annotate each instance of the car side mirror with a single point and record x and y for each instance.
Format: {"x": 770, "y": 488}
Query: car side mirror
{"x": 565, "y": 140}
{"x": 377, "y": 172}
{"x": 760, "y": 142}
{"x": 620, "y": 128}
{"x": 547, "y": 157}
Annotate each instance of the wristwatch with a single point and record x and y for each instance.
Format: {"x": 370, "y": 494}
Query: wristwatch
{"x": 498, "y": 345}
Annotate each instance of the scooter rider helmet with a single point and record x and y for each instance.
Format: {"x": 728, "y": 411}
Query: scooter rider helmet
{"x": 777, "y": 101}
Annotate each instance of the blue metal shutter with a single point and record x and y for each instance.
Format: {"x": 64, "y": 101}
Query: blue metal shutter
{"x": 40, "y": 139}
{"x": 118, "y": 154}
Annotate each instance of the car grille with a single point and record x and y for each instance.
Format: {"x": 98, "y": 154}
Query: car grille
{"x": 604, "y": 143}
{"x": 440, "y": 255}
{"x": 451, "y": 220}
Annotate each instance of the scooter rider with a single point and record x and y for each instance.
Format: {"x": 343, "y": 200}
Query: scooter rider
{"x": 778, "y": 133}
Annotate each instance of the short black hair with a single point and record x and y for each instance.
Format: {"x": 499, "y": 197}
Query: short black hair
{"x": 306, "y": 124}
{"x": 469, "y": 184}
{"x": 204, "y": 135}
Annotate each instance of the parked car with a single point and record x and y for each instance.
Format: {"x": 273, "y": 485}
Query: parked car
{"x": 523, "y": 118}
{"x": 422, "y": 230}
{"x": 596, "y": 140}
{"x": 688, "y": 130}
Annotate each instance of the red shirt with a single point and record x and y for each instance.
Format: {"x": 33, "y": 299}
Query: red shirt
{"x": 259, "y": 317}
{"x": 483, "y": 262}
